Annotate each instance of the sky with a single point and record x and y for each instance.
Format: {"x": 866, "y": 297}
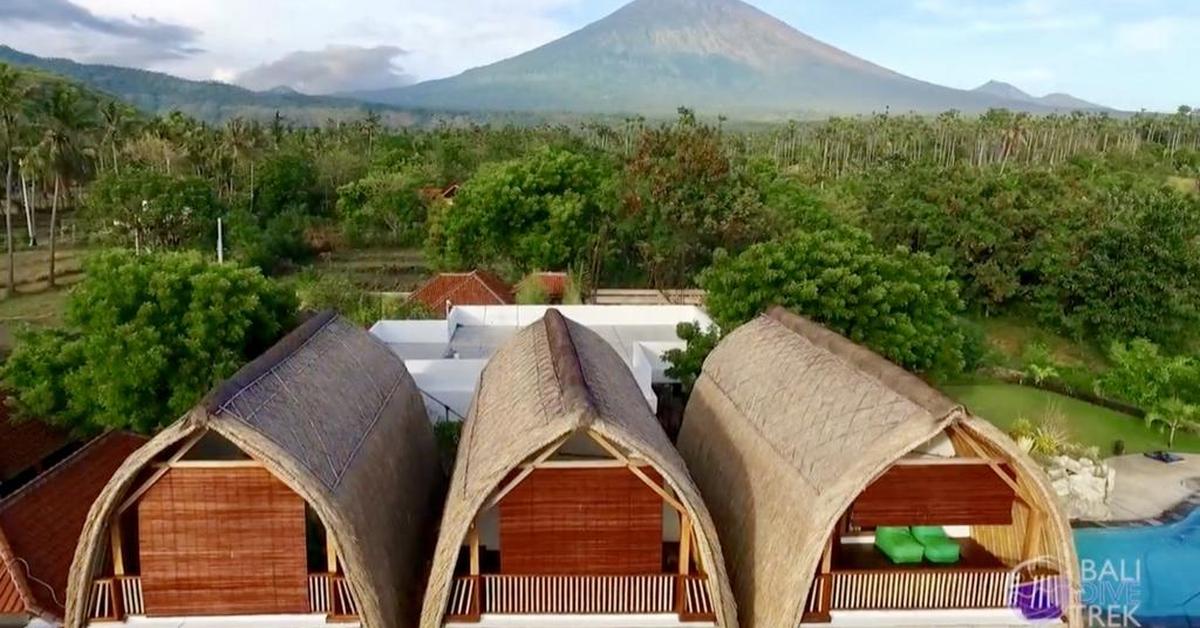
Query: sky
{"x": 1130, "y": 54}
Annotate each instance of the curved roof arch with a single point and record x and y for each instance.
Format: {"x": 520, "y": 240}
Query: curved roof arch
{"x": 788, "y": 423}
{"x": 556, "y": 378}
{"x": 333, "y": 414}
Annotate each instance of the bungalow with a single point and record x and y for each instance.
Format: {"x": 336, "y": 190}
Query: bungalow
{"x": 845, "y": 489}
{"x": 301, "y": 491}
{"x": 28, "y": 448}
{"x": 568, "y": 499}
{"x": 40, "y": 524}
{"x": 478, "y": 287}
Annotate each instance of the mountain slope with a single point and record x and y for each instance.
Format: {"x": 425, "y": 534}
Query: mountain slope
{"x": 155, "y": 92}
{"x": 717, "y": 55}
{"x": 1055, "y": 101}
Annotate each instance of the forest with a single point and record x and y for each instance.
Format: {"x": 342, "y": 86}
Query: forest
{"x": 915, "y": 235}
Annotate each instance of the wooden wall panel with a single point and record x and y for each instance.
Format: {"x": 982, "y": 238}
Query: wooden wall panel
{"x": 581, "y": 521}
{"x": 222, "y": 542}
{"x": 935, "y": 494}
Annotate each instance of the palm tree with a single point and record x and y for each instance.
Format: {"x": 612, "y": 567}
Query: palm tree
{"x": 12, "y": 98}
{"x": 66, "y": 119}
{"x": 116, "y": 123}
{"x": 1174, "y": 415}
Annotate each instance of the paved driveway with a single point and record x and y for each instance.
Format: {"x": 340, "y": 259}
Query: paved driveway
{"x": 1146, "y": 488}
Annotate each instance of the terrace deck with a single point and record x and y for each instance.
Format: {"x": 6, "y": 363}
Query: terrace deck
{"x": 865, "y": 557}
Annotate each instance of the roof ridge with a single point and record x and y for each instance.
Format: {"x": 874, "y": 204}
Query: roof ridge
{"x": 564, "y": 356}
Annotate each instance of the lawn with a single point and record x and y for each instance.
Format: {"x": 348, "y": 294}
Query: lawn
{"x": 385, "y": 270}
{"x": 1090, "y": 425}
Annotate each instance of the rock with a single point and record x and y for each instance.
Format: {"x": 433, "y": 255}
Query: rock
{"x": 1057, "y": 473}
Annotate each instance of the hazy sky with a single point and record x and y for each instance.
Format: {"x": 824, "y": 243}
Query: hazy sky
{"x": 1130, "y": 54}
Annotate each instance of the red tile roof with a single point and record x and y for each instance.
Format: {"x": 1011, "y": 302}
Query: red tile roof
{"x": 23, "y": 445}
{"x": 553, "y": 283}
{"x": 40, "y": 523}
{"x": 478, "y": 287}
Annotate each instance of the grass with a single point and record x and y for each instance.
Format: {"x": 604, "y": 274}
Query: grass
{"x": 1009, "y": 337}
{"x": 1185, "y": 184}
{"x": 383, "y": 270}
{"x": 38, "y": 309}
{"x": 1089, "y": 425}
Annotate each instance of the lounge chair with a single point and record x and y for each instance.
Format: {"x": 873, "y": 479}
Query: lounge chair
{"x": 1163, "y": 456}
{"x": 899, "y": 545}
{"x": 939, "y": 548}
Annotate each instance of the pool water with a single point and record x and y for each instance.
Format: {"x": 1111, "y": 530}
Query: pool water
{"x": 1149, "y": 572}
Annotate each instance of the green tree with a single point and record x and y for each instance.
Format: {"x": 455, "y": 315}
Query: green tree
{"x": 1131, "y": 269}
{"x": 687, "y": 363}
{"x": 682, "y": 199}
{"x": 383, "y": 208}
{"x": 66, "y": 118}
{"x": 1173, "y": 415}
{"x": 287, "y": 182}
{"x": 544, "y": 211}
{"x": 145, "y": 337}
{"x": 154, "y": 211}
{"x": 901, "y": 304}
{"x": 12, "y": 100}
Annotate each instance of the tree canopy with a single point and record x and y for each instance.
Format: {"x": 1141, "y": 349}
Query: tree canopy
{"x": 902, "y": 304}
{"x": 542, "y": 211}
{"x": 145, "y": 337}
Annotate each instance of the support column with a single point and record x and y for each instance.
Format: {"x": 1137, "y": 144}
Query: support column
{"x": 118, "y": 552}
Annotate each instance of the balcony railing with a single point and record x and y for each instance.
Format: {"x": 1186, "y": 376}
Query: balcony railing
{"x": 116, "y": 598}
{"x": 331, "y": 594}
{"x": 687, "y": 596}
{"x": 948, "y": 589}
{"x": 922, "y": 590}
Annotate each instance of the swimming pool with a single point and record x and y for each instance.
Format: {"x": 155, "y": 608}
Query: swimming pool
{"x": 1149, "y": 572}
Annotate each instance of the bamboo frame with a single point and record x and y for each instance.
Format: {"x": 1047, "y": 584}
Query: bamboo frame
{"x": 1019, "y": 493}
{"x": 529, "y": 468}
{"x": 118, "y": 552}
{"x": 685, "y": 545}
{"x": 210, "y": 464}
{"x": 158, "y": 474}
{"x": 473, "y": 536}
{"x": 331, "y": 553}
{"x": 616, "y": 453}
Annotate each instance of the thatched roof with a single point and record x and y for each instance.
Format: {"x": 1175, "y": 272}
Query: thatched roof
{"x": 40, "y": 524}
{"x": 787, "y": 425}
{"x": 333, "y": 413}
{"x": 553, "y": 379}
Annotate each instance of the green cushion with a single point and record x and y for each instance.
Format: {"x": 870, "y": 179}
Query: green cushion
{"x": 942, "y": 551}
{"x": 923, "y": 534}
{"x": 939, "y": 548}
{"x": 898, "y": 545}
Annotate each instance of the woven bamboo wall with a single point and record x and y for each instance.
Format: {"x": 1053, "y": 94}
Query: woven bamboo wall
{"x": 581, "y": 521}
{"x": 935, "y": 494}
{"x": 227, "y": 541}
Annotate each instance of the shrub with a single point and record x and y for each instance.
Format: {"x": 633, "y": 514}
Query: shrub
{"x": 144, "y": 338}
{"x": 900, "y": 304}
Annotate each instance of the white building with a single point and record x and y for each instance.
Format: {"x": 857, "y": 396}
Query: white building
{"x": 447, "y": 356}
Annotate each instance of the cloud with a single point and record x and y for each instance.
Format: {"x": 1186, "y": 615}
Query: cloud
{"x": 136, "y": 40}
{"x": 1010, "y": 16}
{"x": 1154, "y": 35}
{"x": 332, "y": 70}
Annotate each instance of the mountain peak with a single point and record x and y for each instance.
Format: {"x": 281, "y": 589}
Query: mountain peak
{"x": 652, "y": 56}
{"x": 1004, "y": 90}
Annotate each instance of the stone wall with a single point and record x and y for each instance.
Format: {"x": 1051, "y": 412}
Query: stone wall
{"x": 1083, "y": 485}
